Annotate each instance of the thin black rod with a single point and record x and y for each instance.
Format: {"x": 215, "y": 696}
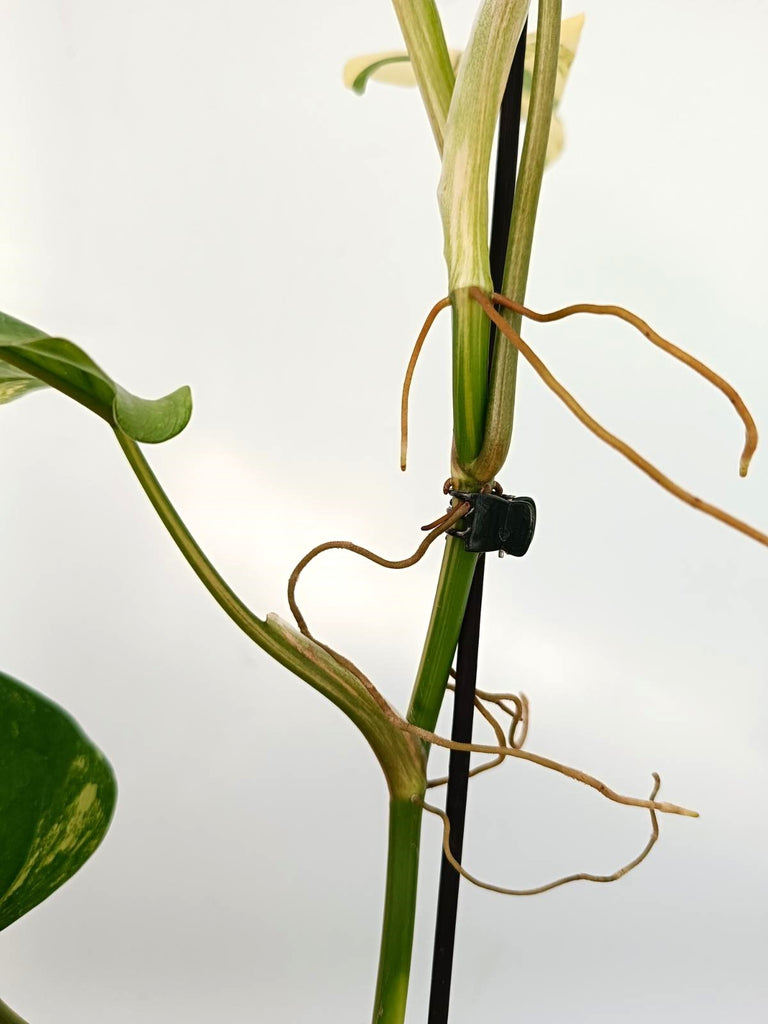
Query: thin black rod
{"x": 456, "y": 800}
{"x": 506, "y": 171}
{"x": 469, "y": 638}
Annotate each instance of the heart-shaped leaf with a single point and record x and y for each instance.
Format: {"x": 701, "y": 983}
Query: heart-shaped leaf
{"x": 57, "y": 795}
{"x": 30, "y": 359}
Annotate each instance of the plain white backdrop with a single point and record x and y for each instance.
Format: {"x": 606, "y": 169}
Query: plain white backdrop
{"x": 187, "y": 191}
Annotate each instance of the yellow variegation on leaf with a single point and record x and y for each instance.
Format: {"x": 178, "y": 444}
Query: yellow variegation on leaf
{"x": 393, "y": 67}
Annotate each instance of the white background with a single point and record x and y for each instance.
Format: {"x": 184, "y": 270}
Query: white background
{"x": 187, "y": 191}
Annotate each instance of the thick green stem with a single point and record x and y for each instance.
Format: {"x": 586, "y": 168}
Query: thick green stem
{"x": 501, "y": 402}
{"x": 442, "y": 634}
{"x": 470, "y": 378}
{"x": 405, "y": 815}
{"x": 464, "y": 200}
{"x": 425, "y": 41}
{"x": 399, "y": 912}
{"x": 463, "y": 195}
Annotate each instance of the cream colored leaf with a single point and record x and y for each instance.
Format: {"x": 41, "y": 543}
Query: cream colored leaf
{"x": 556, "y": 140}
{"x": 570, "y": 32}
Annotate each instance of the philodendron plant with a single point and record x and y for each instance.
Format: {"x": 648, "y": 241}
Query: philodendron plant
{"x": 57, "y": 792}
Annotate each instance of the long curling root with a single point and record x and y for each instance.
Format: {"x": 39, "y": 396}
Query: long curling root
{"x": 580, "y": 877}
{"x": 605, "y": 435}
{"x": 750, "y": 441}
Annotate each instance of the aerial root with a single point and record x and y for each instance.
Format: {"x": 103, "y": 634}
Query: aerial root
{"x": 750, "y": 442}
{"x": 486, "y": 765}
{"x": 440, "y": 526}
{"x": 598, "y": 309}
{"x": 431, "y": 317}
{"x": 544, "y": 762}
{"x": 510, "y": 745}
{"x": 606, "y": 436}
{"x": 505, "y": 747}
{"x": 581, "y": 877}
{"x": 501, "y": 749}
{"x": 519, "y": 717}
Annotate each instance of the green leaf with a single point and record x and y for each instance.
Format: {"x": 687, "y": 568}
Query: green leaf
{"x": 30, "y": 359}
{"x": 57, "y": 795}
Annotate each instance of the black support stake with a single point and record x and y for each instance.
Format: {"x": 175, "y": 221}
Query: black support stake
{"x": 469, "y": 638}
{"x": 456, "y": 800}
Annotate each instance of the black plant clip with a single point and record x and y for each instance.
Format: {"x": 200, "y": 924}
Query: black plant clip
{"x": 497, "y": 522}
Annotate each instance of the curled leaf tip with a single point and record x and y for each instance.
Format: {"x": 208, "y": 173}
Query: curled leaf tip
{"x": 31, "y": 359}
{"x": 392, "y": 66}
{"x": 152, "y": 421}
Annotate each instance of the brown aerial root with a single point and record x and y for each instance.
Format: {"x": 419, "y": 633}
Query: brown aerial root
{"x": 544, "y": 762}
{"x": 438, "y": 527}
{"x": 581, "y": 877}
{"x": 501, "y": 750}
{"x": 486, "y": 765}
{"x": 431, "y": 317}
{"x": 520, "y": 717}
{"x": 750, "y": 441}
{"x": 606, "y": 436}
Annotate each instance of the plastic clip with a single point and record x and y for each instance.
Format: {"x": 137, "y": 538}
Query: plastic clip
{"x": 497, "y": 522}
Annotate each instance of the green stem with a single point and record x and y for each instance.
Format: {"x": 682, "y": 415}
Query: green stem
{"x": 399, "y": 912}
{"x": 501, "y": 402}
{"x": 470, "y": 412}
{"x": 442, "y": 634}
{"x": 470, "y": 381}
{"x": 405, "y": 816}
{"x": 425, "y": 41}
{"x": 400, "y": 755}
{"x": 7, "y": 1016}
